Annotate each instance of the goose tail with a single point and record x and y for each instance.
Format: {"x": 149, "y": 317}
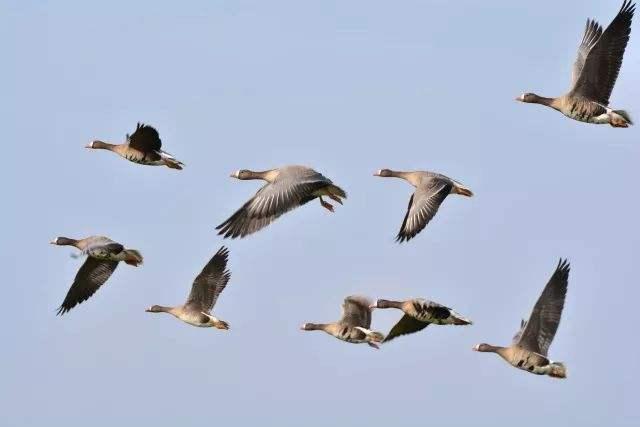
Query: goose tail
{"x": 462, "y": 190}
{"x": 460, "y": 320}
{"x": 334, "y": 190}
{"x": 173, "y": 163}
{"x": 133, "y": 257}
{"x": 170, "y": 161}
{"x": 620, "y": 119}
{"x": 221, "y": 324}
{"x": 557, "y": 370}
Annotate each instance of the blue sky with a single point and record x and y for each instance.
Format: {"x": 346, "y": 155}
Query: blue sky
{"x": 347, "y": 88}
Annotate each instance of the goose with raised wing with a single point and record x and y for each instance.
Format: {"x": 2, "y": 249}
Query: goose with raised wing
{"x": 287, "y": 188}
{"x": 431, "y": 190}
{"x": 594, "y": 73}
{"x": 531, "y": 344}
{"x": 355, "y": 324}
{"x": 418, "y": 314}
{"x": 205, "y": 291}
{"x": 103, "y": 256}
{"x": 143, "y": 146}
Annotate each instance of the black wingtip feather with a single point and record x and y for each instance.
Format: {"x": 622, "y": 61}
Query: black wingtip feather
{"x": 563, "y": 268}
{"x": 223, "y": 252}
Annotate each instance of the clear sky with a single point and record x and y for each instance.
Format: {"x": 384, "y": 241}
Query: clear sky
{"x": 347, "y": 87}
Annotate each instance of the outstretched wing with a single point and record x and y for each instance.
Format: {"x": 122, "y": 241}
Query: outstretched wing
{"x": 406, "y": 325}
{"x": 93, "y": 274}
{"x": 423, "y": 205}
{"x": 356, "y": 311}
{"x": 270, "y": 202}
{"x": 210, "y": 282}
{"x": 145, "y": 139}
{"x": 592, "y": 33}
{"x": 538, "y": 332}
{"x": 600, "y": 56}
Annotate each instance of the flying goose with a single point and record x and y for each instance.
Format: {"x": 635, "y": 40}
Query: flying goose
{"x": 143, "y": 147}
{"x": 354, "y": 325}
{"x": 287, "y": 188}
{"x": 594, "y": 73}
{"x": 103, "y": 256}
{"x": 431, "y": 190}
{"x": 418, "y": 314}
{"x": 204, "y": 293}
{"x": 530, "y": 345}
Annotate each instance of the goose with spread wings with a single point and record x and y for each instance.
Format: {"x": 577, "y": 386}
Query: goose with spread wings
{"x": 205, "y": 291}
{"x": 287, "y": 188}
{"x": 355, "y": 324}
{"x": 594, "y": 73}
{"x": 143, "y": 146}
{"x": 531, "y": 344}
{"x": 103, "y": 256}
{"x": 431, "y": 190}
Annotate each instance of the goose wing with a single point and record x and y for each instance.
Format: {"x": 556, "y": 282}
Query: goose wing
{"x": 406, "y": 325}
{"x": 93, "y": 274}
{"x": 423, "y": 206}
{"x": 286, "y": 192}
{"x": 145, "y": 139}
{"x": 537, "y": 333}
{"x": 600, "y": 56}
{"x": 356, "y": 311}
{"x": 211, "y": 281}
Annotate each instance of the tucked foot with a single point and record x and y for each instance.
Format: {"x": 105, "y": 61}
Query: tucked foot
{"x": 374, "y": 345}
{"x": 326, "y": 205}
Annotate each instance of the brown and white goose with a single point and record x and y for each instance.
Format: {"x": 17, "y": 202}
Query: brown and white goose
{"x": 143, "y": 147}
{"x": 204, "y": 293}
{"x": 418, "y": 314}
{"x": 354, "y": 326}
{"x": 594, "y": 73}
{"x": 103, "y": 256}
{"x": 431, "y": 190}
{"x": 287, "y": 188}
{"x": 531, "y": 344}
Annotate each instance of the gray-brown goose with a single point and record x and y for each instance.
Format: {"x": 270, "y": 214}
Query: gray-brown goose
{"x": 204, "y": 293}
{"x": 103, "y": 256}
{"x": 287, "y": 188}
{"x": 594, "y": 73}
{"x": 531, "y": 344}
{"x": 418, "y": 314}
{"x": 142, "y": 147}
{"x": 431, "y": 190}
{"x": 354, "y": 325}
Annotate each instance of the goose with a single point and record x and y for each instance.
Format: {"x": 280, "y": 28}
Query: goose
{"x": 287, "y": 188}
{"x": 204, "y": 293}
{"x": 354, "y": 325}
{"x": 418, "y": 314}
{"x": 531, "y": 344}
{"x": 431, "y": 190}
{"x": 142, "y": 147}
{"x": 103, "y": 256}
{"x": 594, "y": 73}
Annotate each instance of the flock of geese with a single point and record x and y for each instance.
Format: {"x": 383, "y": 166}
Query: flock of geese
{"x": 594, "y": 74}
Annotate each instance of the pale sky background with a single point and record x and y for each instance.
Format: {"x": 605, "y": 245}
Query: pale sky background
{"x": 347, "y": 87}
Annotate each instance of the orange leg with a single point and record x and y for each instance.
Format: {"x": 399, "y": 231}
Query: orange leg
{"x": 326, "y": 205}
